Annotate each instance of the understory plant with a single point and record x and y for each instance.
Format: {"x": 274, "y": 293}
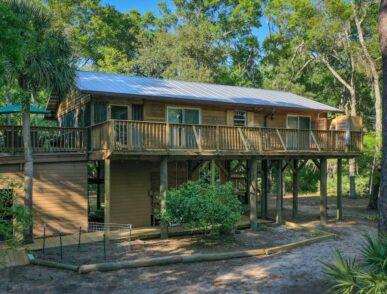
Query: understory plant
{"x": 367, "y": 274}
{"x": 203, "y": 206}
{"x": 14, "y": 217}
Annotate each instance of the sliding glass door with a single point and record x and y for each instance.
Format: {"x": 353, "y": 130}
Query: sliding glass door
{"x": 299, "y": 139}
{"x": 181, "y": 135}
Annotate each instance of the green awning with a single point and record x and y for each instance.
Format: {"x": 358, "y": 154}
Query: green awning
{"x": 18, "y": 108}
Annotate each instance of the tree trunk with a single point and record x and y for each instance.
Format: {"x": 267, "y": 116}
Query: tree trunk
{"x": 8, "y": 101}
{"x": 28, "y": 167}
{"x": 374, "y": 73}
{"x": 33, "y": 102}
{"x": 352, "y": 161}
{"x": 383, "y": 187}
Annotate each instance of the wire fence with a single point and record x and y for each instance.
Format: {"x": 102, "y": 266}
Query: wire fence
{"x": 96, "y": 243}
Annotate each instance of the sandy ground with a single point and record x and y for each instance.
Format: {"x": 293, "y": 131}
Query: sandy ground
{"x": 118, "y": 250}
{"x": 298, "y": 271}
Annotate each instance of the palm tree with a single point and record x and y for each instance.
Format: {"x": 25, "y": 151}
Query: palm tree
{"x": 47, "y": 64}
{"x": 383, "y": 187}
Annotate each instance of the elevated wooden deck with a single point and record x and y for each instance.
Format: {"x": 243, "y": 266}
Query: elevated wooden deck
{"x": 141, "y": 139}
{"x": 49, "y": 144}
{"x": 123, "y": 138}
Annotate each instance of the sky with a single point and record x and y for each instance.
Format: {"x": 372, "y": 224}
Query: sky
{"x": 151, "y": 5}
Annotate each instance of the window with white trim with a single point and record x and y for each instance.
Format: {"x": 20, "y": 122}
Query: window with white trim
{"x": 240, "y": 118}
{"x": 183, "y": 116}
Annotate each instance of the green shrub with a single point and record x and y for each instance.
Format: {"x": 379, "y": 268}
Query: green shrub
{"x": 366, "y": 275}
{"x": 202, "y": 206}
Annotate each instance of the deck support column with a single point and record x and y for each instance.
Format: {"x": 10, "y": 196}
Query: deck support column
{"x": 280, "y": 191}
{"x": 264, "y": 192}
{"x": 213, "y": 172}
{"x": 323, "y": 190}
{"x": 189, "y": 170}
{"x": 99, "y": 178}
{"x": 107, "y": 170}
{"x": 339, "y": 213}
{"x": 163, "y": 194}
{"x": 295, "y": 188}
{"x": 252, "y": 172}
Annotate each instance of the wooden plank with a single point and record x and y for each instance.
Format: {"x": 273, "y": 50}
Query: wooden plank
{"x": 295, "y": 188}
{"x": 245, "y": 143}
{"x": 264, "y": 192}
{"x": 252, "y": 171}
{"x": 279, "y": 199}
{"x": 281, "y": 140}
{"x": 213, "y": 172}
{"x": 315, "y": 141}
{"x": 163, "y": 193}
{"x": 323, "y": 190}
{"x": 197, "y": 138}
{"x": 107, "y": 181}
{"x": 339, "y": 212}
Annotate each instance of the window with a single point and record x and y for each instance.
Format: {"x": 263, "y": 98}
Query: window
{"x": 183, "y": 136}
{"x": 239, "y": 118}
{"x": 183, "y": 116}
{"x": 87, "y": 115}
{"x": 299, "y": 140}
{"x": 137, "y": 112}
{"x": 119, "y": 112}
{"x": 67, "y": 120}
{"x": 100, "y": 112}
{"x": 298, "y": 122}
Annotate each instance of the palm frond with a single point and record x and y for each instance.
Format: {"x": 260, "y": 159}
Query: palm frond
{"x": 374, "y": 252}
{"x": 342, "y": 274}
{"x": 372, "y": 283}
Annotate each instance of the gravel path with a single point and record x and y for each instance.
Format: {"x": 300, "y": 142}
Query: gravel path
{"x": 298, "y": 271}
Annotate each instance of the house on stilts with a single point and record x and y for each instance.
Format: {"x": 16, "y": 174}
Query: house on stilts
{"x": 141, "y": 136}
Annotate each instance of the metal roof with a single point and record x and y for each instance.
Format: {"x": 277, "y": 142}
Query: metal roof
{"x": 100, "y": 82}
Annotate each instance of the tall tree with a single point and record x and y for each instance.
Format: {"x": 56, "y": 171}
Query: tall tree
{"x": 45, "y": 62}
{"x": 102, "y": 37}
{"x": 210, "y": 41}
{"x": 383, "y": 46}
{"x": 322, "y": 32}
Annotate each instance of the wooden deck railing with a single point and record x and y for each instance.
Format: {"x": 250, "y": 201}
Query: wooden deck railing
{"x": 123, "y": 135}
{"x": 43, "y": 139}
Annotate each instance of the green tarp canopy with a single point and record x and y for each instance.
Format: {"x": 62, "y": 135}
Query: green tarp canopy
{"x": 18, "y": 108}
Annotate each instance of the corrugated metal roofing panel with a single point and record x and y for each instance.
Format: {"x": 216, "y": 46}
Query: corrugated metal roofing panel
{"x": 142, "y": 86}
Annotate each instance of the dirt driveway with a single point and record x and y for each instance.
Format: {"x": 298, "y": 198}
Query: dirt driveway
{"x": 298, "y": 271}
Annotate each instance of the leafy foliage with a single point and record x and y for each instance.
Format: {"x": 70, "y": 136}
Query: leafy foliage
{"x": 203, "y": 206}
{"x": 14, "y": 217}
{"x": 366, "y": 275}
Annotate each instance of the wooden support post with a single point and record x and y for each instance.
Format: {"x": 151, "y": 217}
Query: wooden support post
{"x": 279, "y": 216}
{"x": 99, "y": 178}
{"x": 163, "y": 194}
{"x": 213, "y": 171}
{"x": 295, "y": 188}
{"x": 107, "y": 170}
{"x": 323, "y": 190}
{"x": 264, "y": 189}
{"x": 229, "y": 169}
{"x": 339, "y": 190}
{"x": 252, "y": 166}
{"x": 189, "y": 170}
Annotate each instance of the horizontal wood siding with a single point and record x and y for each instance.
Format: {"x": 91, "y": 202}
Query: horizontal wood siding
{"x": 59, "y": 195}
{"x": 130, "y": 202}
{"x": 211, "y": 116}
{"x": 154, "y": 111}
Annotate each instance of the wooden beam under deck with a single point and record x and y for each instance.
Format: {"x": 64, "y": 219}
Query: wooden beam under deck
{"x": 154, "y": 155}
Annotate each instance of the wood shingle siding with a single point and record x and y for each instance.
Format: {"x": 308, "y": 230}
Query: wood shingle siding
{"x": 130, "y": 202}
{"x": 59, "y": 195}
